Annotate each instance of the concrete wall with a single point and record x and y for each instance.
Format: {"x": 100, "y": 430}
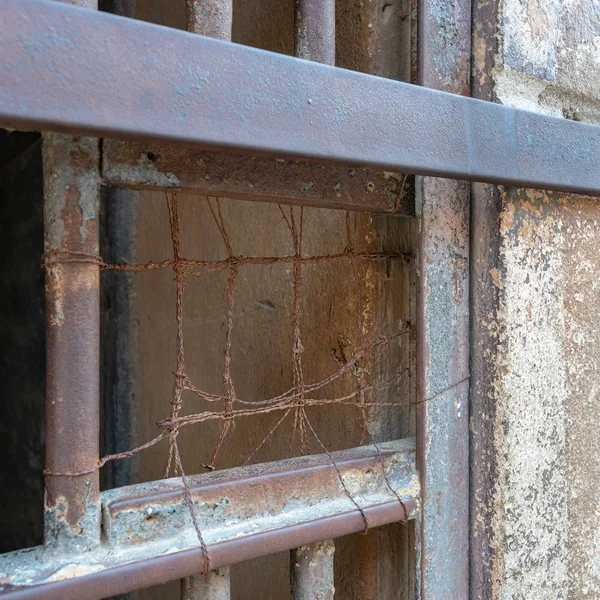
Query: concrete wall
{"x": 373, "y": 37}
{"x": 535, "y": 415}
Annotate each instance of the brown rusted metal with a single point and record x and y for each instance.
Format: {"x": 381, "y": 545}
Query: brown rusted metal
{"x": 311, "y": 572}
{"x": 443, "y": 326}
{"x": 214, "y": 586}
{"x": 217, "y": 95}
{"x": 485, "y": 302}
{"x": 213, "y": 18}
{"x": 71, "y": 207}
{"x": 137, "y": 165}
{"x": 150, "y": 538}
{"x": 315, "y": 30}
{"x": 71, "y": 224}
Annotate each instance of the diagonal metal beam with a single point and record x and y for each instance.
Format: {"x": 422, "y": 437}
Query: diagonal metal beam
{"x": 70, "y": 69}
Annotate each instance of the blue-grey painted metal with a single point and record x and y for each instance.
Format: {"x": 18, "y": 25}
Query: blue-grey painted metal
{"x": 443, "y": 327}
{"x": 70, "y": 69}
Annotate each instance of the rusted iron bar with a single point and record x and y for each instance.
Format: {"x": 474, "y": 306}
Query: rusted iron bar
{"x": 311, "y": 567}
{"x": 149, "y": 537}
{"x": 311, "y": 572}
{"x": 139, "y": 165}
{"x": 486, "y": 299}
{"x": 443, "y": 326}
{"x": 315, "y": 30}
{"x": 217, "y": 95}
{"x": 214, "y": 586}
{"x": 71, "y": 219}
{"x": 213, "y": 18}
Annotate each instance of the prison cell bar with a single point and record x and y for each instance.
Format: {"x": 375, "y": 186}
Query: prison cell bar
{"x": 314, "y": 30}
{"x": 311, "y": 567}
{"x": 217, "y": 95}
{"x": 212, "y": 18}
{"x": 71, "y": 225}
{"x": 591, "y": 157}
{"x": 443, "y": 325}
{"x": 311, "y": 571}
{"x": 149, "y": 537}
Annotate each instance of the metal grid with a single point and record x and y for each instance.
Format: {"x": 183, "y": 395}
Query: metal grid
{"x": 323, "y": 114}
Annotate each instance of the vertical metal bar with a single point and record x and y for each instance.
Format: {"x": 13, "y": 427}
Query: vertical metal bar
{"x": 443, "y": 325}
{"x": 213, "y": 18}
{"x": 71, "y": 220}
{"x": 315, "y": 30}
{"x": 120, "y": 382}
{"x": 311, "y": 572}
{"x": 214, "y": 586}
{"x": 71, "y": 206}
{"x": 311, "y": 567}
{"x": 485, "y": 301}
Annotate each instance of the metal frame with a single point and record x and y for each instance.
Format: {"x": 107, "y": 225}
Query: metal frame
{"x": 139, "y": 165}
{"x": 443, "y": 207}
{"x": 149, "y": 537}
{"x": 214, "y": 95}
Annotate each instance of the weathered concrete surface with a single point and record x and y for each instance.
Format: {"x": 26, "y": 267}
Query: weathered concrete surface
{"x": 534, "y": 420}
{"x": 546, "y": 505}
{"x": 550, "y": 57}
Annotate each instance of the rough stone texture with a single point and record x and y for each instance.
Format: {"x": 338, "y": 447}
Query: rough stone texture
{"x": 535, "y": 416}
{"x": 549, "y": 58}
{"x": 531, "y": 495}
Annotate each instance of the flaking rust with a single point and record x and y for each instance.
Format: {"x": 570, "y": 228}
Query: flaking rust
{"x": 138, "y": 165}
{"x": 71, "y": 209}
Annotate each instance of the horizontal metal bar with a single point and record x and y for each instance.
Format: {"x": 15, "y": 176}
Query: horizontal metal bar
{"x": 138, "y": 165}
{"x": 243, "y": 513}
{"x": 70, "y": 69}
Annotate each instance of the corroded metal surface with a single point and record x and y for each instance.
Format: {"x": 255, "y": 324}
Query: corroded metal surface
{"x": 217, "y": 95}
{"x": 71, "y": 207}
{"x": 443, "y": 326}
{"x": 137, "y": 165}
{"x": 213, "y": 18}
{"x": 149, "y": 537}
{"x": 315, "y": 30}
{"x": 311, "y": 572}
{"x": 485, "y": 296}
